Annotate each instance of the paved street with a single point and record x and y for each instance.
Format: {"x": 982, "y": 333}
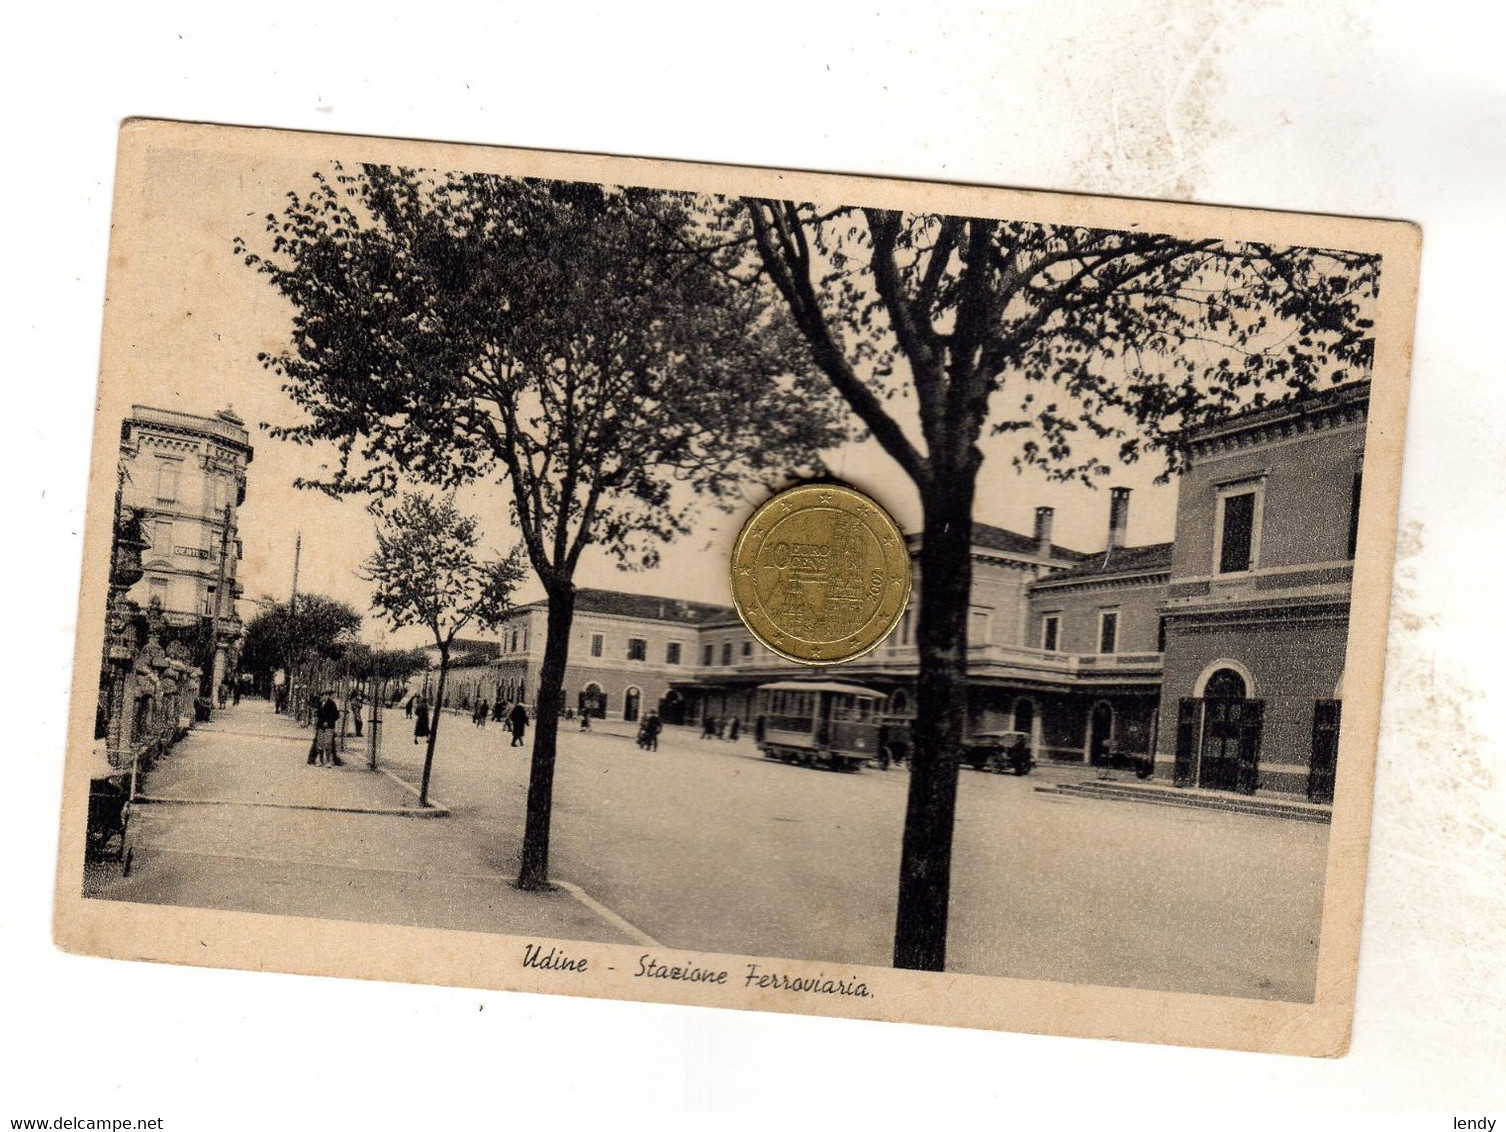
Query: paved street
{"x": 704, "y": 845}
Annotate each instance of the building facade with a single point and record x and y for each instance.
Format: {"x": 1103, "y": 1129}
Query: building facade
{"x": 1257, "y": 613}
{"x": 184, "y": 478}
{"x": 628, "y": 654}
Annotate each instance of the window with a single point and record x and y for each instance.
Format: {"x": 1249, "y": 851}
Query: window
{"x": 1051, "y": 627}
{"x": 1236, "y": 535}
{"x": 1108, "y": 630}
{"x": 726, "y": 652}
{"x": 1354, "y": 516}
{"x": 162, "y": 537}
{"x": 1161, "y": 636}
{"x": 904, "y": 629}
{"x": 158, "y": 591}
{"x": 637, "y": 648}
{"x": 167, "y": 481}
{"x": 747, "y": 649}
{"x": 977, "y": 626}
{"x": 525, "y": 638}
{"x": 708, "y": 655}
{"x": 597, "y": 643}
{"x": 672, "y": 653}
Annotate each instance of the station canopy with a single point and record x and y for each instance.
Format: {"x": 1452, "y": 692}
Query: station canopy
{"x": 821, "y": 686}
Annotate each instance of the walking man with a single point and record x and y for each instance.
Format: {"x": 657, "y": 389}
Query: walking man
{"x": 517, "y": 722}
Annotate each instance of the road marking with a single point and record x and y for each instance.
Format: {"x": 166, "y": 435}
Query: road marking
{"x": 608, "y": 915}
{"x": 432, "y": 811}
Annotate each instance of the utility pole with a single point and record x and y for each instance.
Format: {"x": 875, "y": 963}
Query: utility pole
{"x": 293, "y": 618}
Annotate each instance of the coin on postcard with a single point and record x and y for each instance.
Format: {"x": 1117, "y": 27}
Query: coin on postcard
{"x": 820, "y": 574}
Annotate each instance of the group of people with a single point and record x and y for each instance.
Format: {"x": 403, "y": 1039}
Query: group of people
{"x": 326, "y": 719}
{"x": 648, "y": 731}
{"x": 417, "y": 709}
{"x": 714, "y": 728}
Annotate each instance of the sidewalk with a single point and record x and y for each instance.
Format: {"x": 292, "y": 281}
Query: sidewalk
{"x": 250, "y": 756}
{"x": 235, "y": 819}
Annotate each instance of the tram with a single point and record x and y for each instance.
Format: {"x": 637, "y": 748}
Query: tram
{"x": 822, "y": 723}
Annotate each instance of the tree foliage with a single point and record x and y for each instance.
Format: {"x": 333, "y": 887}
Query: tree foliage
{"x": 1057, "y": 333}
{"x": 365, "y": 662}
{"x": 448, "y": 327}
{"x": 322, "y": 627}
{"x": 425, "y": 571}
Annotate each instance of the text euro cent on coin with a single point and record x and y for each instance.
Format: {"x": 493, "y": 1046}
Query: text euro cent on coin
{"x": 820, "y": 574}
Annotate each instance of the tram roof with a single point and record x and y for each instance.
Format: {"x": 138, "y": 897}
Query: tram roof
{"x": 820, "y": 686}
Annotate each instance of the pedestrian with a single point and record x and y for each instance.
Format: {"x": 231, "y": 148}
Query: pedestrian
{"x": 733, "y": 728}
{"x": 651, "y": 727}
{"x": 421, "y": 720}
{"x": 326, "y": 717}
{"x": 585, "y": 720}
{"x": 517, "y": 722}
{"x": 483, "y": 713}
{"x": 708, "y": 727}
{"x": 721, "y": 729}
{"x": 498, "y": 714}
{"x": 357, "y": 701}
{"x": 222, "y": 694}
{"x": 408, "y": 706}
{"x": 235, "y": 693}
{"x": 476, "y": 715}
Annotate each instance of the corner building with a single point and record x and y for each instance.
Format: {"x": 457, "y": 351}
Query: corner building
{"x": 185, "y": 477}
{"x": 1257, "y": 612}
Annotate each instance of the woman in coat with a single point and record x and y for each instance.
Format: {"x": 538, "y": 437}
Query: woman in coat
{"x": 421, "y": 720}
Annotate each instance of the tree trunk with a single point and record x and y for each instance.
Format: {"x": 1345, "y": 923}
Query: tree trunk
{"x": 444, "y": 668}
{"x": 533, "y": 872}
{"x": 946, "y": 574}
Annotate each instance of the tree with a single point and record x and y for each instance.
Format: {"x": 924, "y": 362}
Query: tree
{"x": 367, "y": 663}
{"x": 425, "y": 572}
{"x": 552, "y": 335}
{"x": 276, "y": 637}
{"x": 1051, "y": 333}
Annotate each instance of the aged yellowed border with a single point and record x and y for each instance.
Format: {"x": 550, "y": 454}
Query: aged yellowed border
{"x": 371, "y": 951}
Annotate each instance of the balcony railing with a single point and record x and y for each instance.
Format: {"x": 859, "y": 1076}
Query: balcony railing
{"x": 982, "y": 660}
{"x": 172, "y": 419}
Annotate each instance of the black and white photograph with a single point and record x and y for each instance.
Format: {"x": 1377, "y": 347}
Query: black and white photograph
{"x": 440, "y": 592}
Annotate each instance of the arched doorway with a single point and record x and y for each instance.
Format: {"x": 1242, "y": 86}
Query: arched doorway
{"x": 899, "y": 703}
{"x": 1100, "y": 733}
{"x": 672, "y": 707}
{"x": 1219, "y": 731}
{"x": 593, "y": 701}
{"x": 630, "y": 703}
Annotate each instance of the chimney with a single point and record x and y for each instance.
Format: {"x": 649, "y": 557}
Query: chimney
{"x": 1118, "y": 515}
{"x": 1043, "y": 517}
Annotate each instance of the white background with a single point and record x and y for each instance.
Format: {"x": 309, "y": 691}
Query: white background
{"x": 1394, "y": 110}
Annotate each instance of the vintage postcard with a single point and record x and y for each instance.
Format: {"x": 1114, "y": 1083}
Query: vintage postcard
{"x": 442, "y": 620}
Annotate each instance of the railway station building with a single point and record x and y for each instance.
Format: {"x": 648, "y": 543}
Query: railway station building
{"x": 1214, "y": 660}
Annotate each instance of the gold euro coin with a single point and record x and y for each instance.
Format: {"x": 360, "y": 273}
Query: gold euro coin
{"x": 820, "y": 574}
